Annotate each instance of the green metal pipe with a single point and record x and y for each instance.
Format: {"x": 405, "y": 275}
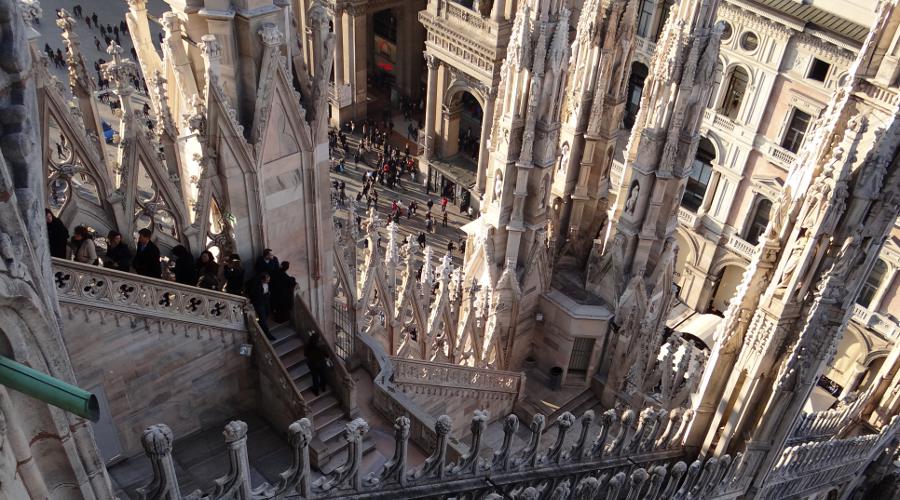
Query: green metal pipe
{"x": 49, "y": 389}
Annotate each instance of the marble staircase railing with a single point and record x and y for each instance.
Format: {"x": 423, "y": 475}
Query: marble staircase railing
{"x": 616, "y": 463}
{"x": 809, "y": 467}
{"x": 388, "y": 399}
{"x": 338, "y": 378}
{"x": 96, "y": 286}
{"x": 824, "y": 424}
{"x": 450, "y": 378}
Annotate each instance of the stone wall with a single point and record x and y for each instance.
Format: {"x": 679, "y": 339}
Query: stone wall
{"x": 188, "y": 376}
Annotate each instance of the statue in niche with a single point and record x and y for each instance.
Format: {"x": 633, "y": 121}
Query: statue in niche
{"x": 563, "y": 158}
{"x": 793, "y": 260}
{"x": 631, "y": 201}
{"x": 498, "y": 185}
{"x": 543, "y": 193}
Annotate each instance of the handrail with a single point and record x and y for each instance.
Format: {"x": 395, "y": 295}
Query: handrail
{"x": 419, "y": 372}
{"x": 270, "y": 365}
{"x": 339, "y": 377}
{"x": 391, "y": 402}
{"x": 132, "y": 293}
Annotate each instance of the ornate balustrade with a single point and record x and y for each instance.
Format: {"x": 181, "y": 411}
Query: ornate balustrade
{"x": 457, "y": 13}
{"x": 616, "y": 173}
{"x": 686, "y": 217}
{"x": 814, "y": 466}
{"x": 96, "y": 286}
{"x": 740, "y": 246}
{"x": 780, "y": 156}
{"x": 821, "y": 424}
{"x": 390, "y": 400}
{"x": 286, "y": 403}
{"x": 449, "y": 376}
{"x": 615, "y": 463}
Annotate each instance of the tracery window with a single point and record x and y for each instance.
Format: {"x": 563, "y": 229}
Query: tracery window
{"x": 67, "y": 175}
{"x": 150, "y": 208}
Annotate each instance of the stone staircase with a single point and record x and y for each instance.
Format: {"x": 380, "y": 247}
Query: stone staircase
{"x": 328, "y": 418}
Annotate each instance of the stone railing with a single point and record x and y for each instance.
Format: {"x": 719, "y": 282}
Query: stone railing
{"x": 810, "y": 467}
{"x": 876, "y": 321}
{"x": 780, "y": 156}
{"x": 879, "y": 93}
{"x": 134, "y": 294}
{"x": 454, "y": 12}
{"x": 338, "y": 378}
{"x": 861, "y": 314}
{"x": 719, "y": 122}
{"x": 391, "y": 401}
{"x": 686, "y": 217}
{"x": 282, "y": 401}
{"x": 740, "y": 246}
{"x": 820, "y": 425}
{"x": 616, "y": 173}
{"x": 618, "y": 462}
{"x": 450, "y": 377}
{"x": 644, "y": 49}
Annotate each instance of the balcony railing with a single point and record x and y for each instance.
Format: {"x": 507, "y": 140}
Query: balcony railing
{"x": 454, "y": 12}
{"x": 740, "y": 246}
{"x": 686, "y": 217}
{"x": 782, "y": 157}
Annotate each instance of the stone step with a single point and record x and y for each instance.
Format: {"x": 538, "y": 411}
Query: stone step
{"x": 293, "y": 359}
{"x": 321, "y": 403}
{"x": 287, "y": 345}
{"x": 298, "y": 371}
{"x": 327, "y": 417}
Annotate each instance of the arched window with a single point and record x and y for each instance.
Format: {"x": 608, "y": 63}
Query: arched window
{"x": 760, "y": 221}
{"x": 700, "y": 174}
{"x": 873, "y": 282}
{"x": 635, "y": 91}
{"x": 735, "y": 88}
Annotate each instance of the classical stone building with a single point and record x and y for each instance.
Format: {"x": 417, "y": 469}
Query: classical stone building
{"x": 612, "y": 197}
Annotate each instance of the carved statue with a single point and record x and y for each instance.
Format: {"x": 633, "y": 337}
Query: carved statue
{"x": 793, "y": 260}
{"x": 631, "y": 201}
{"x": 498, "y": 186}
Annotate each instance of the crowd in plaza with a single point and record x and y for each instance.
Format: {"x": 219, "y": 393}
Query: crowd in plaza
{"x": 270, "y": 290}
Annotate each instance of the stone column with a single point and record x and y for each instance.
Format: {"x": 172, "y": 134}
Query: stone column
{"x": 430, "y": 105}
{"x": 358, "y": 45}
{"x": 709, "y": 194}
{"x": 487, "y": 121}
{"x": 339, "y": 46}
{"x": 497, "y": 12}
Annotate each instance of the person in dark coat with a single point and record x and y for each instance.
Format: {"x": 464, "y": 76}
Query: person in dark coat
{"x": 207, "y": 271}
{"x": 118, "y": 255}
{"x": 57, "y": 234}
{"x": 283, "y": 293}
{"x": 261, "y": 298}
{"x": 267, "y": 262}
{"x": 317, "y": 359}
{"x": 146, "y": 257}
{"x": 234, "y": 275}
{"x": 184, "y": 270}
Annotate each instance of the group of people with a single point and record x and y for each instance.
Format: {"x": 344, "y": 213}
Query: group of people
{"x": 271, "y": 291}
{"x": 144, "y": 260}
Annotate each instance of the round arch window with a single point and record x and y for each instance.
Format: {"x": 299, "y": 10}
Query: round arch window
{"x": 749, "y": 41}
{"x": 727, "y": 31}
